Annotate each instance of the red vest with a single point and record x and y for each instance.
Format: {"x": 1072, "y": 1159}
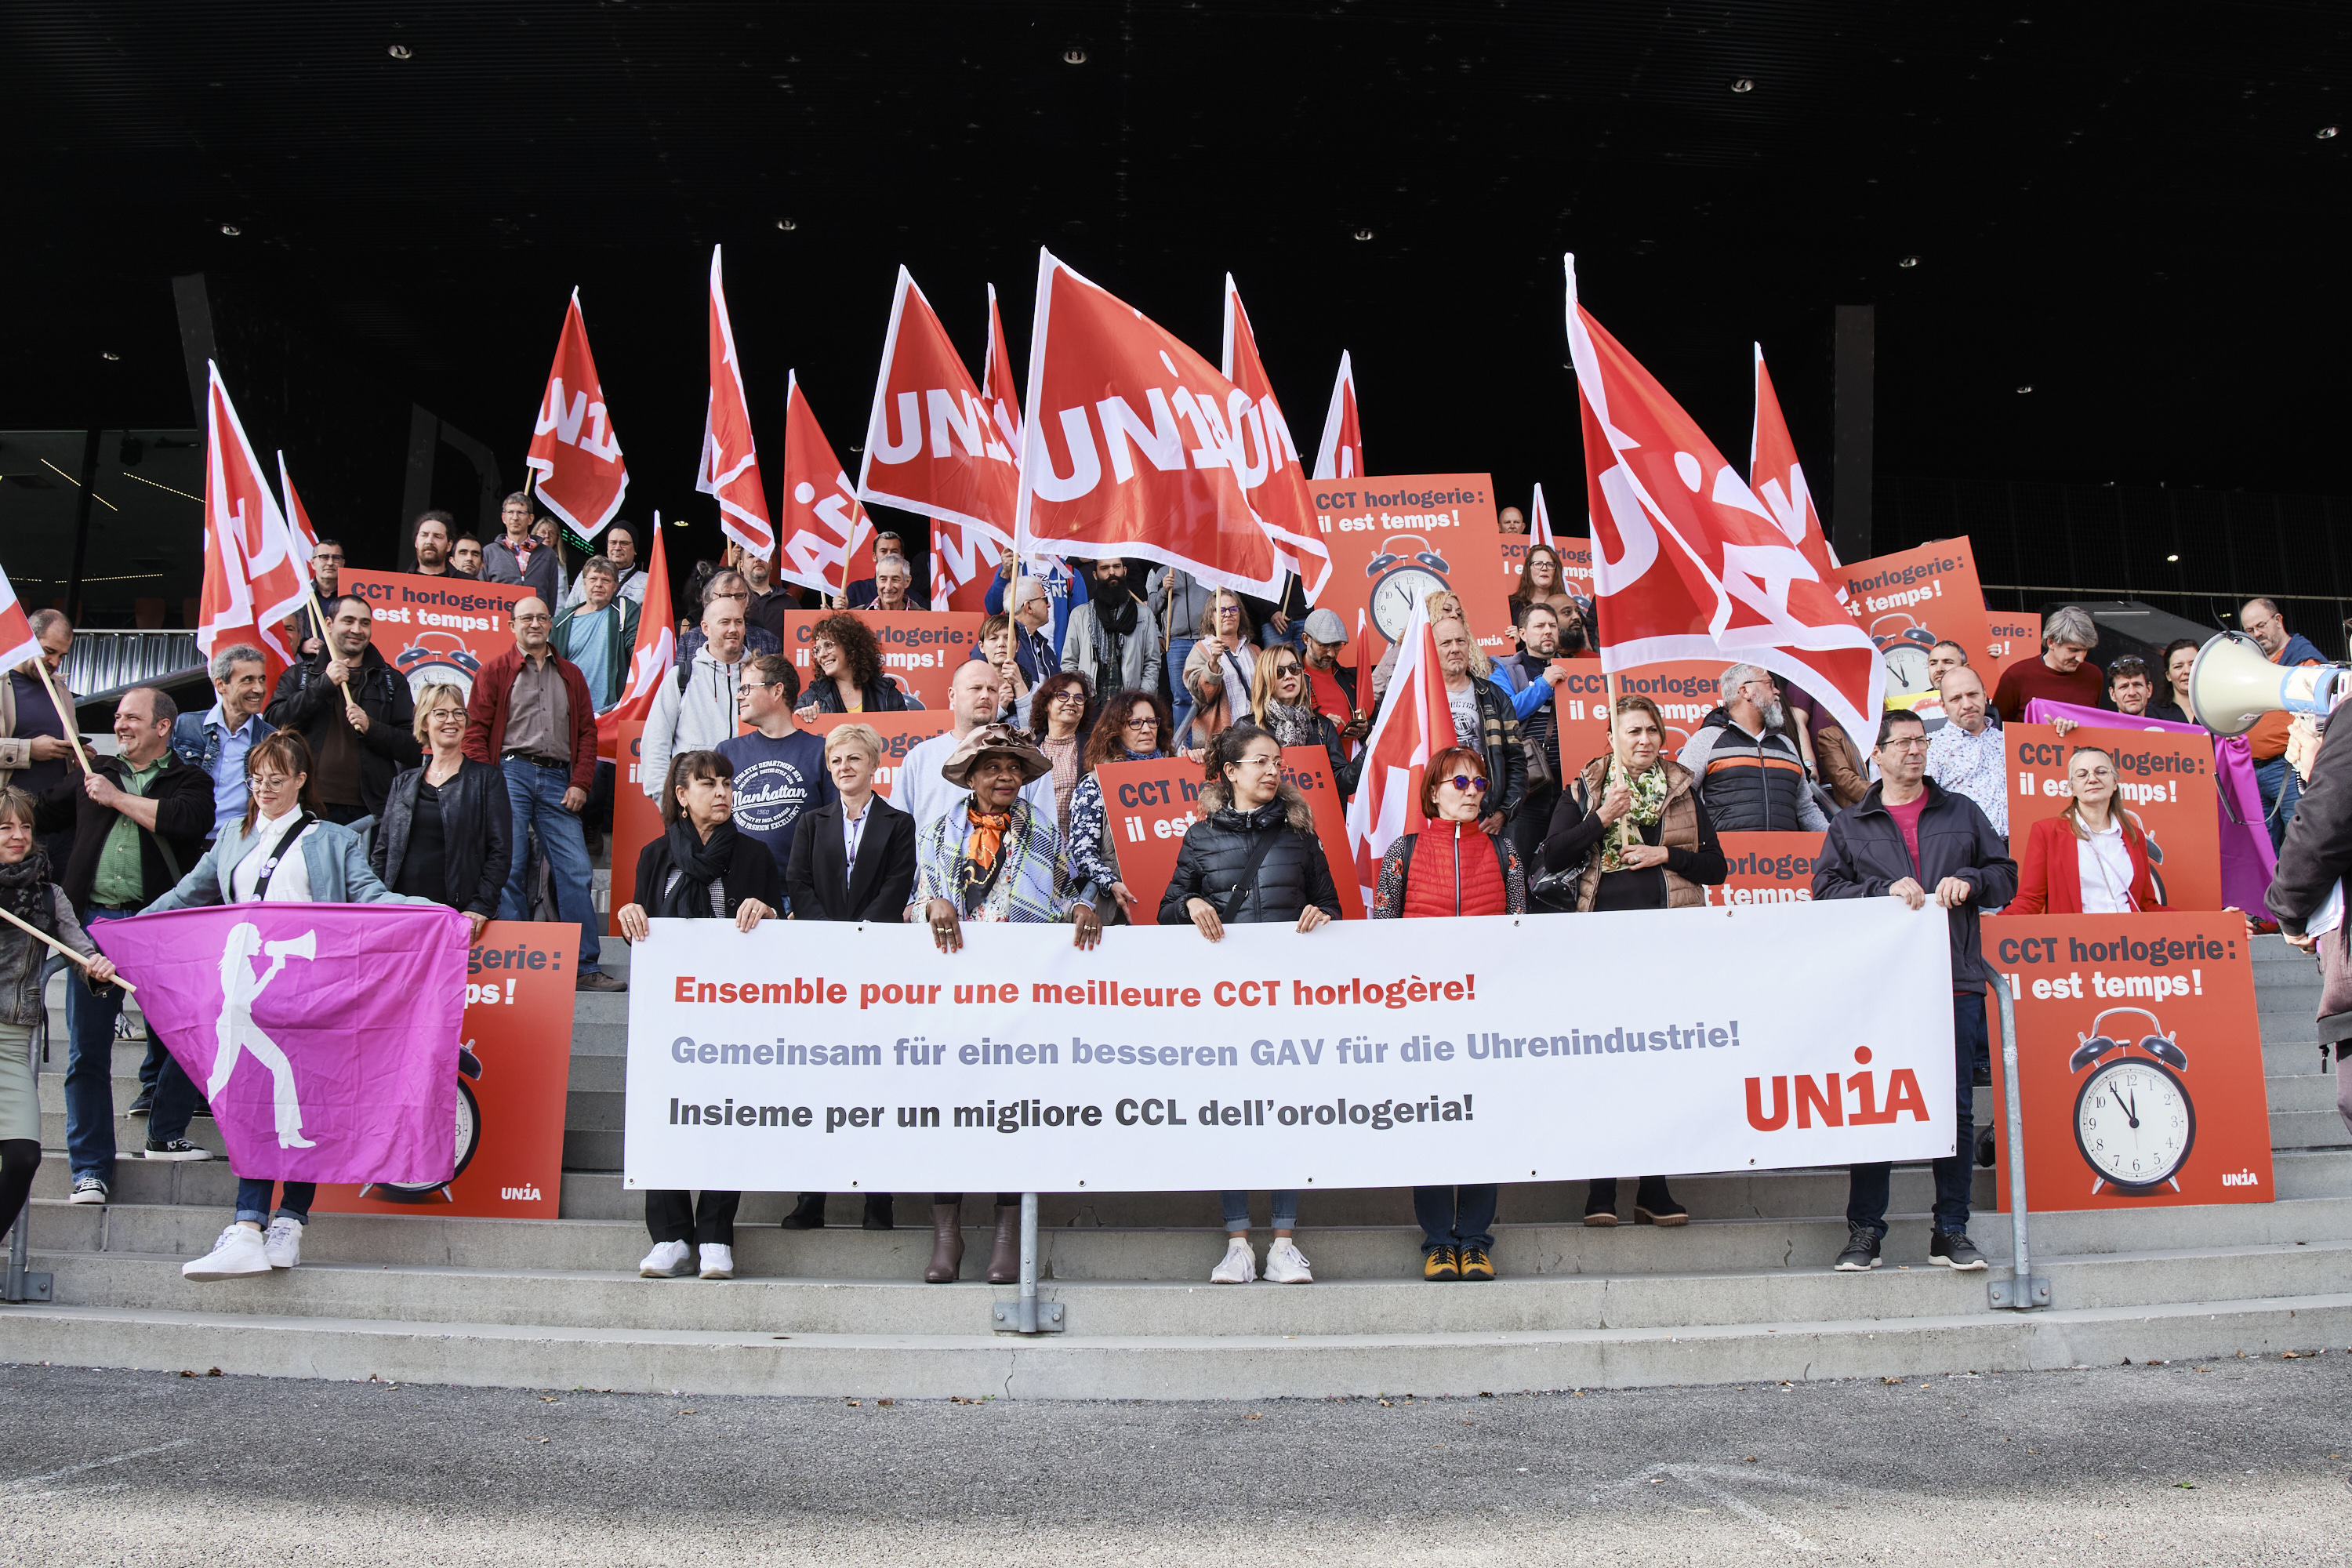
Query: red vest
{"x": 1452, "y": 874}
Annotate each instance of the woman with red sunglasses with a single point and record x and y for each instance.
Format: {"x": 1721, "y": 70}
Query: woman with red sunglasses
{"x": 1450, "y": 868}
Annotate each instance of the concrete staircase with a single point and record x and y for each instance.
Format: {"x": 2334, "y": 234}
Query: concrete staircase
{"x": 1743, "y": 1294}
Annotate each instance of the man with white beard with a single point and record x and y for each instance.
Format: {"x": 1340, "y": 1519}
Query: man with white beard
{"x": 1752, "y": 777}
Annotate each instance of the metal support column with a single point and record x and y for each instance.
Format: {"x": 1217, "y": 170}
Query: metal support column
{"x": 21, "y": 1285}
{"x": 2021, "y": 1291}
{"x": 1025, "y": 1316}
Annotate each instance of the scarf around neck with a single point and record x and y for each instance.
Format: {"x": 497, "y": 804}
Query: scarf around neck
{"x": 25, "y": 893}
{"x": 1649, "y": 790}
{"x": 700, "y": 864}
{"x": 1292, "y": 726}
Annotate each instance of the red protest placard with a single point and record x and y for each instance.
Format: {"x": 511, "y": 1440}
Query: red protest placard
{"x": 2165, "y": 780}
{"x": 1151, "y": 803}
{"x": 436, "y": 629}
{"x": 2139, "y": 1060}
{"x": 1913, "y": 599}
{"x": 509, "y": 1129}
{"x": 1686, "y": 690}
{"x": 1767, "y": 868}
{"x": 2016, "y": 636}
{"x": 899, "y": 733}
{"x": 636, "y": 822}
{"x": 1396, "y": 538}
{"x": 1309, "y": 768}
{"x": 920, "y": 648}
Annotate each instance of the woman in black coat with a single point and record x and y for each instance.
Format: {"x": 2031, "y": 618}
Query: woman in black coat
{"x": 848, "y": 676}
{"x": 827, "y": 882}
{"x": 447, "y": 829}
{"x": 699, "y": 869}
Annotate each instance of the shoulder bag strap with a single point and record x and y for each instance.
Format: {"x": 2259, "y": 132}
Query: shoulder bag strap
{"x": 269, "y": 866}
{"x": 1257, "y": 854}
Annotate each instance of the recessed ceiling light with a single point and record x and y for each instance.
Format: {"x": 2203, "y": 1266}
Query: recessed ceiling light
{"x": 1363, "y": 234}
{"x": 231, "y": 230}
{"x": 2172, "y": 558}
{"x": 786, "y": 224}
{"x": 1909, "y": 262}
{"x": 399, "y": 52}
{"x": 1074, "y": 57}
{"x": 2327, "y": 132}
{"x": 108, "y": 354}
{"x": 2026, "y": 388}
{"x": 1744, "y": 84}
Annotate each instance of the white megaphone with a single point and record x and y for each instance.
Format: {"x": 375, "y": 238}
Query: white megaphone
{"x": 2233, "y": 684}
{"x": 303, "y": 946}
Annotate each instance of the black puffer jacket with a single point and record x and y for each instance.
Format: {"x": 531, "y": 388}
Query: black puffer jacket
{"x": 1293, "y": 875}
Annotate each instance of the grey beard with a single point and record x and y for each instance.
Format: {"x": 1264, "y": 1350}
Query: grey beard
{"x": 1773, "y": 715}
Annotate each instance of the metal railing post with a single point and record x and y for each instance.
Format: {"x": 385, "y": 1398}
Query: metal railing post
{"x": 1025, "y": 1316}
{"x": 2021, "y": 1291}
{"x": 21, "y": 1285}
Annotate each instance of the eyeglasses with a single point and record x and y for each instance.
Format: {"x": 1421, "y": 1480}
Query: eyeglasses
{"x": 1264, "y": 763}
{"x": 1077, "y": 697}
{"x": 1144, "y": 723}
{"x": 1468, "y": 784}
{"x": 1904, "y": 744}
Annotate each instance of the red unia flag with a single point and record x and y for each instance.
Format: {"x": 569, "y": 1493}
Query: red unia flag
{"x": 730, "y": 461}
{"x": 1539, "y": 523}
{"x": 1416, "y": 723}
{"x": 17, "y": 642}
{"x": 1131, "y": 450}
{"x": 932, "y": 445}
{"x": 828, "y": 538}
{"x": 297, "y": 517}
{"x": 1342, "y": 456}
{"x": 1777, "y": 480}
{"x": 575, "y": 449}
{"x": 963, "y": 559}
{"x": 654, "y": 656}
{"x": 1274, "y": 477}
{"x": 252, "y": 581}
{"x": 1686, "y": 563}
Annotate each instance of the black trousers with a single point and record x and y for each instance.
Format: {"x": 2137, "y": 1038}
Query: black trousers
{"x": 1004, "y": 1200}
{"x": 705, "y": 1220}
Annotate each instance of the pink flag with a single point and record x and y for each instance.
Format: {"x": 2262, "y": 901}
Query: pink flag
{"x": 1686, "y": 563}
{"x": 252, "y": 581}
{"x": 1275, "y": 479}
{"x": 1539, "y": 523}
{"x": 1779, "y": 481}
{"x": 1342, "y": 456}
{"x": 324, "y": 1037}
{"x": 827, "y": 536}
{"x": 575, "y": 449}
{"x": 1416, "y": 723}
{"x": 730, "y": 460}
{"x": 17, "y": 642}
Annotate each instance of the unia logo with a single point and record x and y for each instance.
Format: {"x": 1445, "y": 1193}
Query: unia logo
{"x": 2241, "y": 1179}
{"x": 525, "y": 1194}
{"x": 1828, "y": 1100}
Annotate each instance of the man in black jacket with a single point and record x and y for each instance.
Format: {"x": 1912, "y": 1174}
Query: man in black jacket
{"x": 356, "y": 744}
{"x": 1912, "y": 840}
{"x": 2315, "y": 858}
{"x": 1750, "y": 774}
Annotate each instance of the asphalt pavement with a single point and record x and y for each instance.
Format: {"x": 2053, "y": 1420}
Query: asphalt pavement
{"x": 2222, "y": 1461}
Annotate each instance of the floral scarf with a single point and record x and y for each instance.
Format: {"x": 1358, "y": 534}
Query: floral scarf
{"x": 1649, "y": 790}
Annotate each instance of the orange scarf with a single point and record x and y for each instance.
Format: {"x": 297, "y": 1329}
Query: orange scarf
{"x": 987, "y": 837}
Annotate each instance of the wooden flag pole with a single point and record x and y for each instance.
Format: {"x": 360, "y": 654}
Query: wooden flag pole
{"x": 310, "y": 590}
{"x": 33, "y": 930}
{"x": 64, "y": 713}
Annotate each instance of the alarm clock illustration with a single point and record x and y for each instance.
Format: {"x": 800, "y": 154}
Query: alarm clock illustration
{"x": 1904, "y": 643}
{"x": 437, "y": 655}
{"x": 2134, "y": 1120}
{"x": 1402, "y": 581}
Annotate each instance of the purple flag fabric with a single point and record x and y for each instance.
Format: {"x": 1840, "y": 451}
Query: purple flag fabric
{"x": 2248, "y": 860}
{"x": 324, "y": 1036}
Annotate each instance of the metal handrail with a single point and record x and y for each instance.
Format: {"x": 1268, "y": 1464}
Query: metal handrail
{"x": 18, "y": 1284}
{"x": 2022, "y": 1291}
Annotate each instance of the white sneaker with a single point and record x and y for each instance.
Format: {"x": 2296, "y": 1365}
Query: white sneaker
{"x": 237, "y": 1252}
{"x": 282, "y": 1242}
{"x": 1285, "y": 1264}
{"x": 667, "y": 1260}
{"x": 1239, "y": 1266}
{"x": 717, "y": 1262}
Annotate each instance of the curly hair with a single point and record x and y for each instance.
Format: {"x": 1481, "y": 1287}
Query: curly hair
{"x": 856, "y": 640}
{"x": 1217, "y": 597}
{"x": 1107, "y": 743}
{"x": 1041, "y": 700}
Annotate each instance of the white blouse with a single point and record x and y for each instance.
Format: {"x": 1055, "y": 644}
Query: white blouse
{"x": 292, "y": 884}
{"x": 2104, "y": 866}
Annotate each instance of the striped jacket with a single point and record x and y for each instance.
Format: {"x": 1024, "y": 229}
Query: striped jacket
{"x": 1752, "y": 784}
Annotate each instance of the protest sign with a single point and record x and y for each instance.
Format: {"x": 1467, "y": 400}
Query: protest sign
{"x": 436, "y": 629}
{"x": 2163, "y": 779}
{"x": 1365, "y": 1054}
{"x": 2139, "y": 1060}
{"x": 1686, "y": 690}
{"x": 2016, "y": 637}
{"x": 636, "y": 822}
{"x": 1397, "y": 538}
{"x": 1151, "y": 804}
{"x": 900, "y": 732}
{"x": 1913, "y": 599}
{"x": 1767, "y": 868}
{"x": 920, "y": 648}
{"x": 510, "y": 1096}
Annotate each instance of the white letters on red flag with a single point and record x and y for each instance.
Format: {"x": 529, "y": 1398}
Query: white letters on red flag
{"x": 17, "y": 642}
{"x": 730, "y": 460}
{"x": 827, "y": 537}
{"x": 252, "y": 581}
{"x": 1539, "y": 523}
{"x": 1686, "y": 563}
{"x": 1275, "y": 477}
{"x": 964, "y": 558}
{"x": 1130, "y": 449}
{"x": 306, "y": 538}
{"x": 996, "y": 384}
{"x": 932, "y": 445}
{"x": 1416, "y": 723}
{"x": 1778, "y": 479}
{"x": 651, "y": 660}
{"x": 1342, "y": 456}
{"x": 575, "y": 449}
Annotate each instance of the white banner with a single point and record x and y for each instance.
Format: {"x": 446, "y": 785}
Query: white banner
{"x": 808, "y": 1057}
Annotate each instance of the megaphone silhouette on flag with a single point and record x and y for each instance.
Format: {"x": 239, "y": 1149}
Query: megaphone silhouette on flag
{"x": 2233, "y": 684}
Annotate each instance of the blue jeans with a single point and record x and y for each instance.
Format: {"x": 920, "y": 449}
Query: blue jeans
{"x": 253, "y": 1196}
{"x": 1268, "y": 636}
{"x": 90, "y": 1075}
{"x": 1456, "y": 1216}
{"x": 1178, "y": 651}
{"x": 1286, "y": 1211}
{"x": 537, "y": 796}
{"x": 1866, "y": 1185}
{"x": 2282, "y": 789}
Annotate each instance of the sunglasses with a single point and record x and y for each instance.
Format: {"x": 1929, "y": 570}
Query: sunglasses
{"x": 1469, "y": 785}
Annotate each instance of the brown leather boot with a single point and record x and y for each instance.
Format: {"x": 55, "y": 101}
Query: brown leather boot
{"x": 947, "y": 1245}
{"x": 1005, "y": 1260}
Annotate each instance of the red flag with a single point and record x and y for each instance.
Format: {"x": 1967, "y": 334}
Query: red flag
{"x": 1275, "y": 479}
{"x": 1686, "y": 563}
{"x": 1342, "y": 456}
{"x": 306, "y": 537}
{"x": 948, "y": 460}
{"x": 1097, "y": 364}
{"x": 654, "y": 656}
{"x": 996, "y": 383}
{"x": 730, "y": 460}
{"x": 252, "y": 581}
{"x": 575, "y": 449}
{"x": 1777, "y": 480}
{"x": 827, "y": 537}
{"x": 964, "y": 558}
{"x": 1539, "y": 523}
{"x": 17, "y": 642}
{"x": 1416, "y": 723}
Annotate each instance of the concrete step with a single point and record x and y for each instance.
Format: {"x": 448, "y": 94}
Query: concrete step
{"x": 780, "y": 1359}
{"x": 128, "y": 1135}
{"x": 2302, "y": 1091}
{"x": 2309, "y": 1130}
{"x": 2286, "y": 1026}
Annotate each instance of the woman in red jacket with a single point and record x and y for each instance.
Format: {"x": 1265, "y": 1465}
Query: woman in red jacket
{"x": 2092, "y": 858}
{"x": 1450, "y": 868}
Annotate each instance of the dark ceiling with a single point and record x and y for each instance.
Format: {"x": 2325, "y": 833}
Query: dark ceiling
{"x": 2136, "y": 212}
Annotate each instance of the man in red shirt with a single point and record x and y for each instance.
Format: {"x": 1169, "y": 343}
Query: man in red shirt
{"x": 2062, "y": 674}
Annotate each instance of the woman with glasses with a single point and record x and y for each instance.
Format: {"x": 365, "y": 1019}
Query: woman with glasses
{"x": 1282, "y": 706}
{"x": 848, "y": 676}
{"x": 1543, "y": 579}
{"x": 1634, "y": 823}
{"x": 2092, "y": 859}
{"x": 447, "y": 826}
{"x": 1130, "y": 731}
{"x": 1252, "y": 859}
{"x": 2172, "y": 702}
{"x": 1060, "y": 715}
{"x": 1219, "y": 672}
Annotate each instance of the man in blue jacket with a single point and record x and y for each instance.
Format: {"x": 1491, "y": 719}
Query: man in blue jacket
{"x": 1910, "y": 839}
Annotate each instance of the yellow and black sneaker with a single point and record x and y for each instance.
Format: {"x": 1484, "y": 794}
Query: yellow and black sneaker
{"x": 1439, "y": 1263}
{"x": 1475, "y": 1264}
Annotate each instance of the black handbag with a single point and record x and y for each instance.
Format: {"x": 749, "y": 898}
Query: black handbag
{"x": 1557, "y": 892}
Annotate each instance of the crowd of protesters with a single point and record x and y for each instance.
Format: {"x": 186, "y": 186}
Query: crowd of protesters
{"x": 474, "y": 799}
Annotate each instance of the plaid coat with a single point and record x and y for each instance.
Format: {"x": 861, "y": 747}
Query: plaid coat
{"x": 1024, "y": 892}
